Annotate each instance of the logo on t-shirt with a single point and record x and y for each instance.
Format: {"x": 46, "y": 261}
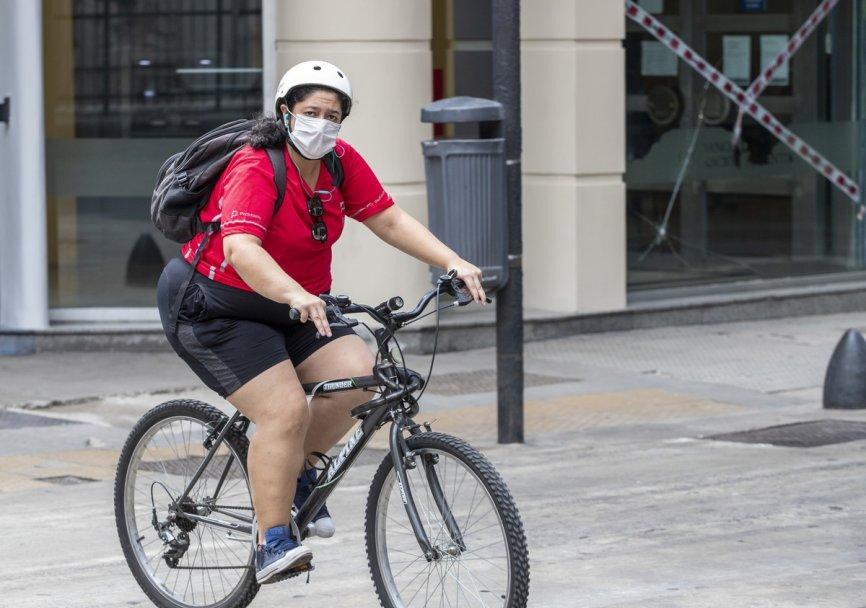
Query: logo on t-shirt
{"x": 245, "y": 214}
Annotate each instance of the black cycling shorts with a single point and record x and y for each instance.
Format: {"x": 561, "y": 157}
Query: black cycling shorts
{"x": 228, "y": 336}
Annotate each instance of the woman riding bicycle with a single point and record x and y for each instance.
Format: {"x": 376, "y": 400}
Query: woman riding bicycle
{"x": 234, "y": 329}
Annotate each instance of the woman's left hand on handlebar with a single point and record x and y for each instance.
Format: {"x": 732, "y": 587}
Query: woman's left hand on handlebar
{"x": 471, "y": 275}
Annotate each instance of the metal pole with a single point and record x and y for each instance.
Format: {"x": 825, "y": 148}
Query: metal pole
{"x": 509, "y": 299}
{"x": 858, "y": 233}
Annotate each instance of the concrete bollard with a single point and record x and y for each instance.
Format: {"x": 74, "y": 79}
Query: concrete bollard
{"x": 845, "y": 380}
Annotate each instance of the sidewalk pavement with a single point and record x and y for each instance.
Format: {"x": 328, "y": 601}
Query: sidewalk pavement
{"x": 623, "y": 501}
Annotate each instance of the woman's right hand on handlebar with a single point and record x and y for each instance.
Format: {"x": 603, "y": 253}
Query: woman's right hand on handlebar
{"x": 311, "y": 308}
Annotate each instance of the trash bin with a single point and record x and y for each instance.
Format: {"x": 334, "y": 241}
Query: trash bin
{"x": 466, "y": 194}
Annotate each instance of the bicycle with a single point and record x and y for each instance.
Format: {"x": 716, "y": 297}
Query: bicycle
{"x": 437, "y": 509}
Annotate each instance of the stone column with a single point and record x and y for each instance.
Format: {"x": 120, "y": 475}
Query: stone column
{"x": 23, "y": 258}
{"x": 384, "y": 47}
{"x": 573, "y": 72}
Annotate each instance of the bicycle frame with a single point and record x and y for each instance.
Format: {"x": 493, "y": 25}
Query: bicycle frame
{"x": 389, "y": 406}
{"x": 395, "y": 385}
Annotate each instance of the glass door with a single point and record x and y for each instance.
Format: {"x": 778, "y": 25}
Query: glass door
{"x": 128, "y": 83}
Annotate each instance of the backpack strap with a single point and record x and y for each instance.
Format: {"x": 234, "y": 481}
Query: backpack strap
{"x": 334, "y": 167}
{"x": 275, "y": 155}
{"x": 209, "y": 229}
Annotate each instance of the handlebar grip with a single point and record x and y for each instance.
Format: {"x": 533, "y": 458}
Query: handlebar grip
{"x": 294, "y": 314}
{"x": 459, "y": 291}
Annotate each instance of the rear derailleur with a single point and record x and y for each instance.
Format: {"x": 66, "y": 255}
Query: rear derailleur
{"x": 176, "y": 544}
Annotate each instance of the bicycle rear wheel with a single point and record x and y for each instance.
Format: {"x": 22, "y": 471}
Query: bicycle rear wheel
{"x": 492, "y": 567}
{"x": 206, "y": 565}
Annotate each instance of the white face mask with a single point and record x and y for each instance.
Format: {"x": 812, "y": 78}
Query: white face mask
{"x": 313, "y": 137}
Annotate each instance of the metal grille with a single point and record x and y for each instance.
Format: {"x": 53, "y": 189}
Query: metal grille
{"x": 18, "y": 420}
{"x": 483, "y": 381}
{"x": 801, "y": 434}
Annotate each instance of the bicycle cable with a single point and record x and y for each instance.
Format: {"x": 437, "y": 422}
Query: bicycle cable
{"x": 167, "y": 491}
{"x": 324, "y": 459}
{"x": 435, "y": 346}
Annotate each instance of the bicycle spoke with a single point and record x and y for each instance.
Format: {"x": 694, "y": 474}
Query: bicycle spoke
{"x": 161, "y": 462}
{"x": 429, "y": 566}
{"x": 402, "y": 525}
{"x": 476, "y": 576}
{"x": 441, "y": 578}
{"x": 231, "y": 550}
{"x": 427, "y": 587}
{"x": 405, "y": 552}
{"x": 409, "y": 565}
{"x": 475, "y": 530}
{"x": 465, "y": 589}
{"x": 493, "y": 589}
{"x": 484, "y": 559}
{"x": 220, "y": 575}
{"x": 177, "y": 456}
{"x": 471, "y": 507}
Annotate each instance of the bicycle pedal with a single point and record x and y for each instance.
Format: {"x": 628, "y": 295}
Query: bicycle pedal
{"x": 292, "y": 573}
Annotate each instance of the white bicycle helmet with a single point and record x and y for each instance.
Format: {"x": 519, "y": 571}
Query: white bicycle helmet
{"x": 315, "y": 73}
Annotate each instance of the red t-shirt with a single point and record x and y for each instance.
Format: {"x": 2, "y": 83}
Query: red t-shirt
{"x": 244, "y": 198}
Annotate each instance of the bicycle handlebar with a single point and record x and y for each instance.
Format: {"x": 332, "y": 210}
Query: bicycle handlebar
{"x": 448, "y": 284}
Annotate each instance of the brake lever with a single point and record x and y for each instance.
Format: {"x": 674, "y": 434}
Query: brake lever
{"x": 295, "y": 315}
{"x": 463, "y": 297}
{"x": 341, "y": 321}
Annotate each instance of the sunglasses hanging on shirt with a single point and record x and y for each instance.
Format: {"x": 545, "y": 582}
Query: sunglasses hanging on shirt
{"x": 316, "y": 211}
{"x": 319, "y": 231}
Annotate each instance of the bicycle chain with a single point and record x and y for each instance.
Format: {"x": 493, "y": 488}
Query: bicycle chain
{"x": 231, "y": 507}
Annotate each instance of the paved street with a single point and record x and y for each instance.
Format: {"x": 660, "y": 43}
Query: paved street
{"x": 623, "y": 500}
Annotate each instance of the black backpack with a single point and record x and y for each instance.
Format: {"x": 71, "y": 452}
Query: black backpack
{"x": 186, "y": 179}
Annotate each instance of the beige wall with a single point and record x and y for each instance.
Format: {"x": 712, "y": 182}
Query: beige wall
{"x": 574, "y": 142}
{"x": 573, "y": 155}
{"x": 384, "y": 47}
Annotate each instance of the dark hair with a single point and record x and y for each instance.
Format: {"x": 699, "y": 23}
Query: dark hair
{"x": 268, "y": 132}
{"x": 300, "y": 93}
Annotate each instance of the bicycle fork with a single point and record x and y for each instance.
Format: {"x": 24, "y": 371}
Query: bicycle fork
{"x": 403, "y": 459}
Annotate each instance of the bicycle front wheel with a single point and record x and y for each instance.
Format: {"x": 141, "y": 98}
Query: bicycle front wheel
{"x": 481, "y": 559}
{"x": 177, "y": 561}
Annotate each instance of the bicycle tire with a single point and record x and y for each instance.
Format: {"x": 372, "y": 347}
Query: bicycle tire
{"x": 509, "y": 517}
{"x": 246, "y": 590}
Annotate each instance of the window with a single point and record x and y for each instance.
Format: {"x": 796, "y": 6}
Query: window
{"x": 128, "y": 83}
{"x": 757, "y": 211}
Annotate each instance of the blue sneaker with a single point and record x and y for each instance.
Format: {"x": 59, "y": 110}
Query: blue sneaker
{"x": 322, "y": 525}
{"x": 280, "y": 553}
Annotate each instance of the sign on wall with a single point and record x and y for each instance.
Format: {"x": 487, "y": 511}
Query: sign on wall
{"x": 657, "y": 60}
{"x": 771, "y": 47}
{"x": 737, "y": 58}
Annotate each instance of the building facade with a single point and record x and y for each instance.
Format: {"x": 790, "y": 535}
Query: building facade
{"x": 631, "y": 183}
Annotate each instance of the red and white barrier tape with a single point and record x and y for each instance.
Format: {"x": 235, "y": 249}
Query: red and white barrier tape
{"x": 766, "y": 76}
{"x": 742, "y": 100}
